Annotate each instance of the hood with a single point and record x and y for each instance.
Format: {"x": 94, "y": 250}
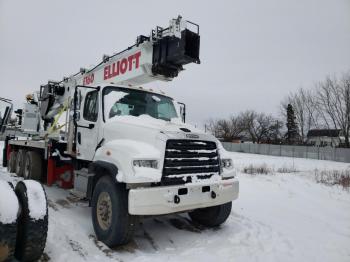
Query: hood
{"x": 150, "y": 130}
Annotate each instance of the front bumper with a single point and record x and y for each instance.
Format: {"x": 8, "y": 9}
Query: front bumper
{"x": 161, "y": 200}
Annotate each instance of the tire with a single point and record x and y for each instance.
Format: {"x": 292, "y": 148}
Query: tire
{"x": 11, "y": 165}
{"x": 113, "y": 225}
{"x": 32, "y": 222}
{"x": 20, "y": 162}
{"x": 32, "y": 166}
{"x": 9, "y": 206}
{"x": 211, "y": 216}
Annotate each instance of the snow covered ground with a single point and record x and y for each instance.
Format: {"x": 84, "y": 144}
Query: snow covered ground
{"x": 278, "y": 217}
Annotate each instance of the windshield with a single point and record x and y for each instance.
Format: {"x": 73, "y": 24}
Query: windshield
{"x": 129, "y": 102}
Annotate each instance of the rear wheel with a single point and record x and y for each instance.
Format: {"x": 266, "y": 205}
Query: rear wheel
{"x": 211, "y": 216}
{"x": 20, "y": 158}
{"x": 33, "y": 221}
{"x": 9, "y": 208}
{"x": 33, "y": 166}
{"x": 112, "y": 222}
{"x": 11, "y": 165}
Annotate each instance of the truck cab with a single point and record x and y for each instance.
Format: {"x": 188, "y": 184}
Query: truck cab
{"x": 142, "y": 142}
{"x": 142, "y": 132}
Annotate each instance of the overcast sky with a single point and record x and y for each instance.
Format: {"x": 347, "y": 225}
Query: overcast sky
{"x": 253, "y": 53}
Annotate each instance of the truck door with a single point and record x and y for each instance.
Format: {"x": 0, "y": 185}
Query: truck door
{"x": 88, "y": 124}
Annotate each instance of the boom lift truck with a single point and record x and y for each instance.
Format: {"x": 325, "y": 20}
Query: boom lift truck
{"x": 125, "y": 148}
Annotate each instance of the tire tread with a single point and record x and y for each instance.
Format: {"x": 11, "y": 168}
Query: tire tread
{"x": 123, "y": 227}
{"x": 32, "y": 234}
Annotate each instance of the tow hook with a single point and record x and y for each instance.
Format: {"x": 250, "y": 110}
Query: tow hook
{"x": 213, "y": 195}
{"x": 176, "y": 199}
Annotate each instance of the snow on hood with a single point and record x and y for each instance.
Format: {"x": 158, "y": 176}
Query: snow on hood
{"x": 154, "y": 123}
{"x": 8, "y": 204}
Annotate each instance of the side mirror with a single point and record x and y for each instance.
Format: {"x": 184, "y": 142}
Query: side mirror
{"x": 78, "y": 101}
{"x": 76, "y": 104}
{"x": 183, "y": 111}
{"x": 77, "y": 116}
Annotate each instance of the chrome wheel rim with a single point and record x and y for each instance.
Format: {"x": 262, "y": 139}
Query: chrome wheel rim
{"x": 104, "y": 210}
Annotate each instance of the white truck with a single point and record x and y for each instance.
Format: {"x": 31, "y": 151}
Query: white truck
{"x": 125, "y": 148}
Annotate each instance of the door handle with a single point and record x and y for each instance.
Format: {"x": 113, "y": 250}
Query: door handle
{"x": 90, "y": 126}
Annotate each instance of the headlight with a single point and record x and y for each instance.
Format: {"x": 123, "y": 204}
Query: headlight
{"x": 146, "y": 163}
{"x": 226, "y": 163}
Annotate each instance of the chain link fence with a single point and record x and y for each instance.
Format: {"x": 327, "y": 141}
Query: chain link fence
{"x": 321, "y": 153}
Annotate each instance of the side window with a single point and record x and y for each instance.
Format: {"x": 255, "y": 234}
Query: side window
{"x": 91, "y": 106}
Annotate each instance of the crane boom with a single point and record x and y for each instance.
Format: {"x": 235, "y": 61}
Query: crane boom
{"x": 159, "y": 56}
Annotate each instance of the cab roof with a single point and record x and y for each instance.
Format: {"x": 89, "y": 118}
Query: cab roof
{"x": 139, "y": 88}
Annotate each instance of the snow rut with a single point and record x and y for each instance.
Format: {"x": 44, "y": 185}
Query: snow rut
{"x": 256, "y": 237}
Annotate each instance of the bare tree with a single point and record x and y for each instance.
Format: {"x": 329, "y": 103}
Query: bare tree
{"x": 304, "y": 105}
{"x": 259, "y": 125}
{"x": 227, "y": 129}
{"x": 275, "y": 135}
{"x": 333, "y": 103}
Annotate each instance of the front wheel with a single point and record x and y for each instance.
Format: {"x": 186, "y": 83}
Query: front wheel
{"x": 112, "y": 222}
{"x": 211, "y": 216}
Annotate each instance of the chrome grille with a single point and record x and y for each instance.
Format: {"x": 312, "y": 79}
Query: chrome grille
{"x": 185, "y": 159}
